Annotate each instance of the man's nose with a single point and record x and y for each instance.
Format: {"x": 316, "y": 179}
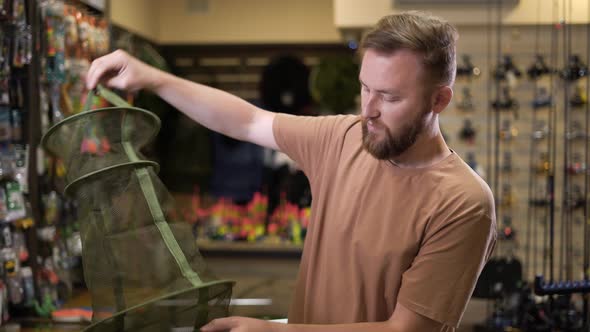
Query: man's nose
{"x": 370, "y": 107}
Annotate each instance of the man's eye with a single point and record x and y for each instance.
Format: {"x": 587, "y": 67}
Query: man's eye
{"x": 390, "y": 99}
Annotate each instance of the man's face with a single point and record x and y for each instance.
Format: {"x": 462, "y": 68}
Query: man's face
{"x": 394, "y": 102}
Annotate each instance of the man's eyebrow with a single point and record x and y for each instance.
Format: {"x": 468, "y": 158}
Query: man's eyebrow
{"x": 389, "y": 92}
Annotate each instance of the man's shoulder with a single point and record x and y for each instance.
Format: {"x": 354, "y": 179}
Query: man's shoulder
{"x": 463, "y": 186}
{"x": 331, "y": 125}
{"x": 337, "y": 119}
{"x": 343, "y": 122}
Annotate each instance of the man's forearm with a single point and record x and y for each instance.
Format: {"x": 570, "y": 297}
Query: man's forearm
{"x": 256, "y": 325}
{"x": 212, "y": 108}
{"x": 356, "y": 327}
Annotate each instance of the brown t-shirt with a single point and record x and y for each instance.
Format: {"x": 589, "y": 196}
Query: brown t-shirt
{"x": 380, "y": 234}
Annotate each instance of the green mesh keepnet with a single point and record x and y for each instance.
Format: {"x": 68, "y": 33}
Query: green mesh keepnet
{"x": 141, "y": 266}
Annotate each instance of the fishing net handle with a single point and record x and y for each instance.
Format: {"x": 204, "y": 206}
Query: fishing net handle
{"x": 105, "y": 93}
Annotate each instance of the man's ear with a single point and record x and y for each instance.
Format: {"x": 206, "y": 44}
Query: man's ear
{"x": 441, "y": 98}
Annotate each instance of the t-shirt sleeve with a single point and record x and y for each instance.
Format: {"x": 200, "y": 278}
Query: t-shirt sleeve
{"x": 443, "y": 275}
{"x": 310, "y": 141}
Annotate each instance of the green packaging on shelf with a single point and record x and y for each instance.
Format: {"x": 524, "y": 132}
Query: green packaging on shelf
{"x": 142, "y": 267}
{"x": 15, "y": 201}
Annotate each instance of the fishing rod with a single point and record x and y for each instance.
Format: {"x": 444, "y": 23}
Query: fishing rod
{"x": 552, "y": 147}
{"x": 490, "y": 135}
{"x": 497, "y": 112}
{"x": 532, "y": 210}
{"x": 586, "y": 219}
{"x": 565, "y": 211}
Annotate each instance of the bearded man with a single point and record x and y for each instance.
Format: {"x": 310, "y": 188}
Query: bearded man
{"x": 401, "y": 227}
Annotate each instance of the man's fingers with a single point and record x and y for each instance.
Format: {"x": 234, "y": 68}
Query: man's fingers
{"x": 94, "y": 73}
{"x": 91, "y": 70}
{"x": 102, "y": 67}
{"x": 220, "y": 324}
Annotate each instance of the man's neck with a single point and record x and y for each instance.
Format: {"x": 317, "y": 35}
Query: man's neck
{"x": 429, "y": 149}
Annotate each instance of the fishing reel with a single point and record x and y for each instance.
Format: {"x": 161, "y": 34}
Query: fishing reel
{"x": 577, "y": 165}
{"x": 542, "y": 166}
{"x": 542, "y": 98}
{"x": 540, "y": 198}
{"x": 575, "y": 198}
{"x": 540, "y": 130}
{"x": 507, "y": 162}
{"x": 467, "y": 133}
{"x": 575, "y": 132}
{"x": 539, "y": 68}
{"x": 471, "y": 161}
{"x": 506, "y": 102}
{"x": 506, "y": 197}
{"x": 467, "y": 69}
{"x": 466, "y": 102}
{"x": 474, "y": 164}
{"x": 507, "y": 232}
{"x": 506, "y": 69}
{"x": 575, "y": 69}
{"x": 507, "y": 131}
{"x": 579, "y": 99}
{"x": 534, "y": 316}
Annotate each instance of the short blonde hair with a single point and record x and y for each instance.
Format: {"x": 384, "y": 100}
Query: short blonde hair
{"x": 430, "y": 36}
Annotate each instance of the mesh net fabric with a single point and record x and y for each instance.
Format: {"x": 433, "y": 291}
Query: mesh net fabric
{"x": 141, "y": 265}
{"x": 115, "y": 127}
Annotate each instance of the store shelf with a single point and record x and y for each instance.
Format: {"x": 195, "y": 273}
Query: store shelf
{"x": 262, "y": 249}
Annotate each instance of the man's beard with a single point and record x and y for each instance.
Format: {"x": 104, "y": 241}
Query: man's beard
{"x": 391, "y": 146}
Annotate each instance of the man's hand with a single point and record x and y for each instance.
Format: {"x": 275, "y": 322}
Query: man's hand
{"x": 402, "y": 320}
{"x": 121, "y": 71}
{"x": 239, "y": 324}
